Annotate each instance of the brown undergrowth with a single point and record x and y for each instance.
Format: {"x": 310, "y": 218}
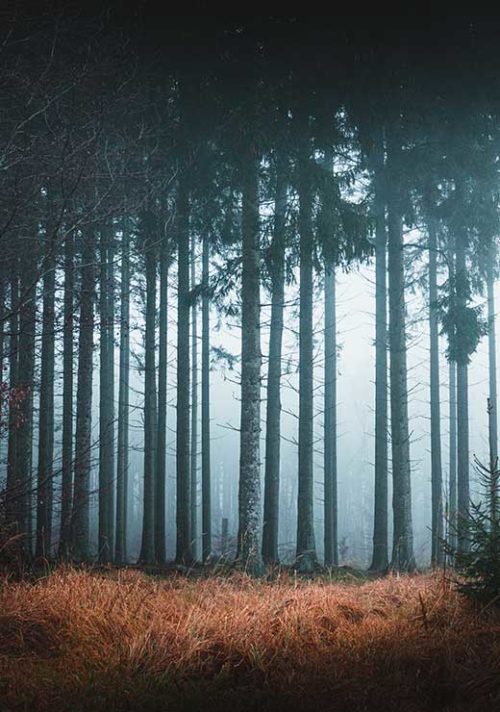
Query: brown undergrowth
{"x": 121, "y": 640}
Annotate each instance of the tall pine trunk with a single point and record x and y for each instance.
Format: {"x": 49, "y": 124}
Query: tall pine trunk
{"x": 452, "y": 505}
{"x": 194, "y": 407}
{"x": 13, "y": 498}
{"x": 402, "y": 551}
{"x": 46, "y": 417}
{"x": 462, "y": 401}
{"x": 147, "y": 554}
{"x": 273, "y": 404}
{"x": 435, "y": 403}
{"x": 81, "y": 489}
{"x": 106, "y": 399}
{"x": 183, "y": 517}
{"x": 380, "y": 559}
{"x": 206, "y": 487}
{"x": 306, "y": 543}
{"x": 330, "y": 378}
{"x": 161, "y": 452}
{"x": 248, "y": 553}
{"x": 25, "y": 382}
{"x": 67, "y": 412}
{"x": 330, "y": 434}
{"x": 492, "y": 354}
{"x": 122, "y": 459}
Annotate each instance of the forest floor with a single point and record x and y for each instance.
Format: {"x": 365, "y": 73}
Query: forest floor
{"x": 123, "y": 640}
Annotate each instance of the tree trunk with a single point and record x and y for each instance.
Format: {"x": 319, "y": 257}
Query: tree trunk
{"x": 183, "y": 544}
{"x": 436, "y": 468}
{"x": 161, "y": 453}
{"x": 67, "y": 413}
{"x": 306, "y": 544}
{"x": 147, "y": 555}
{"x": 194, "y": 407}
{"x": 25, "y": 380}
{"x": 492, "y": 354}
{"x": 330, "y": 382}
{"x": 462, "y": 404}
{"x": 330, "y": 435}
{"x": 452, "y": 507}
{"x": 46, "y": 416}
{"x": 14, "y": 502}
{"x": 248, "y": 553}
{"x": 380, "y": 560}
{"x": 106, "y": 399}
{"x": 273, "y": 405}
{"x": 206, "y": 537}
{"x": 402, "y": 552}
{"x": 123, "y": 404}
{"x": 81, "y": 490}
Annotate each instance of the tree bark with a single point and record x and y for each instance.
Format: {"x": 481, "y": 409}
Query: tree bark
{"x": 436, "y": 467}
{"x": 46, "y": 418}
{"x": 380, "y": 559}
{"x": 14, "y": 501}
{"x": 206, "y": 537}
{"x": 248, "y": 553}
{"x": 106, "y": 400}
{"x": 462, "y": 402}
{"x": 330, "y": 435}
{"x": 25, "y": 381}
{"x": 183, "y": 544}
{"x": 306, "y": 544}
{"x": 273, "y": 405}
{"x": 147, "y": 555}
{"x": 161, "y": 453}
{"x": 194, "y": 407}
{"x": 67, "y": 413}
{"x": 492, "y": 354}
{"x": 81, "y": 491}
{"x": 123, "y": 404}
{"x": 402, "y": 551}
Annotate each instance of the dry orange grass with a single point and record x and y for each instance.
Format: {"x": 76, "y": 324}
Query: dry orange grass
{"x": 124, "y": 641}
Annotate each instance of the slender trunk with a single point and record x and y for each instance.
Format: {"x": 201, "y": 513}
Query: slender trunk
{"x": 46, "y": 417}
{"x": 161, "y": 453}
{"x": 150, "y": 416}
{"x": 206, "y": 537}
{"x": 492, "y": 354}
{"x": 13, "y": 495}
{"x": 330, "y": 435}
{"x": 67, "y": 414}
{"x": 436, "y": 467}
{"x": 194, "y": 407}
{"x": 25, "y": 378}
{"x": 306, "y": 544}
{"x": 380, "y": 560}
{"x": 106, "y": 399}
{"x": 462, "y": 403}
{"x": 81, "y": 489}
{"x": 452, "y": 507}
{"x": 273, "y": 405}
{"x": 402, "y": 552}
{"x": 123, "y": 405}
{"x": 183, "y": 544}
{"x": 248, "y": 552}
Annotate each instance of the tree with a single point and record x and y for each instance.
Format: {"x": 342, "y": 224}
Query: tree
{"x": 122, "y": 459}
{"x": 81, "y": 491}
{"x": 273, "y": 404}
{"x": 402, "y": 549}
{"x": 306, "y": 542}
{"x": 248, "y": 552}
